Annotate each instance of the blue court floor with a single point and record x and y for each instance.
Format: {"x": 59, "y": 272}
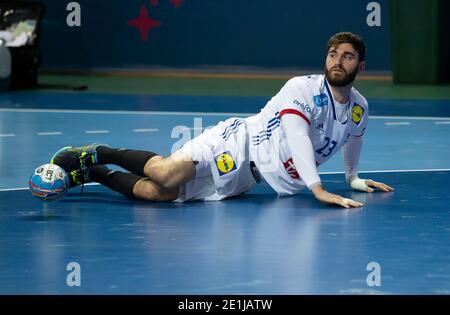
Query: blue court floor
{"x": 254, "y": 244}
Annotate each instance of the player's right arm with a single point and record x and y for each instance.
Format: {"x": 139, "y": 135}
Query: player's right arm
{"x": 296, "y": 116}
{"x": 296, "y": 129}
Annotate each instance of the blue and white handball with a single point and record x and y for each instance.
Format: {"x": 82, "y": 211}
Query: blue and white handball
{"x": 49, "y": 182}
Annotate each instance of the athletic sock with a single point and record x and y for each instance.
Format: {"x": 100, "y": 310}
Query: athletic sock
{"x": 131, "y": 160}
{"x": 119, "y": 181}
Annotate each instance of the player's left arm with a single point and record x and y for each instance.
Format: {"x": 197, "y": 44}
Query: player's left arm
{"x": 352, "y": 149}
{"x": 350, "y": 154}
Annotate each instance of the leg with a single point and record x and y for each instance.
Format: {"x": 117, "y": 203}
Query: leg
{"x": 131, "y": 160}
{"x": 132, "y": 185}
{"x": 170, "y": 172}
{"x": 75, "y": 158}
{"x": 167, "y": 174}
{"x": 145, "y": 189}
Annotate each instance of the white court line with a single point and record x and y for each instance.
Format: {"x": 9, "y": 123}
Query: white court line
{"x": 96, "y": 131}
{"x": 14, "y": 189}
{"x": 321, "y": 173}
{"x": 168, "y": 113}
{"x": 146, "y": 130}
{"x": 26, "y": 188}
{"x": 409, "y": 117}
{"x": 121, "y": 112}
{"x": 442, "y": 122}
{"x": 7, "y": 135}
{"x": 397, "y": 123}
{"x": 392, "y": 171}
{"x": 49, "y": 133}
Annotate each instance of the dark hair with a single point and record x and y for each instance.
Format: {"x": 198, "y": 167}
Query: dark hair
{"x": 350, "y": 38}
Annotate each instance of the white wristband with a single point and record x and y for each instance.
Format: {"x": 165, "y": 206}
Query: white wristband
{"x": 359, "y": 184}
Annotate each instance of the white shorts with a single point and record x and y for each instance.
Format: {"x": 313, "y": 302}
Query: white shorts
{"x": 223, "y": 168}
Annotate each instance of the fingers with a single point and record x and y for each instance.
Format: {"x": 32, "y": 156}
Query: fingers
{"x": 328, "y": 198}
{"x": 347, "y": 203}
{"x": 381, "y": 186}
{"x": 388, "y": 187}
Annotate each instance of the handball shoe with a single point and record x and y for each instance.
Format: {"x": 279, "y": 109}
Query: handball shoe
{"x": 76, "y": 161}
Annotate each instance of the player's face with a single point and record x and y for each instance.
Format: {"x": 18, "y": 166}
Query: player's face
{"x": 342, "y": 65}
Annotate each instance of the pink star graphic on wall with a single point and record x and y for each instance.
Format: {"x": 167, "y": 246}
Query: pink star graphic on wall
{"x": 176, "y": 3}
{"x": 144, "y": 23}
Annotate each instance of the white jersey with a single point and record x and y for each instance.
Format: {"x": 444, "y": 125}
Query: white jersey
{"x": 310, "y": 98}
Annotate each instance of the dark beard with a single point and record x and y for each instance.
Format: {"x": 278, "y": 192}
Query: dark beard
{"x": 346, "y": 80}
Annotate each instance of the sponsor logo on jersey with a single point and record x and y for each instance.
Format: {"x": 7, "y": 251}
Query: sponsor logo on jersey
{"x": 305, "y": 107}
{"x": 225, "y": 163}
{"x": 321, "y": 100}
{"x": 357, "y": 113}
{"x": 290, "y": 169}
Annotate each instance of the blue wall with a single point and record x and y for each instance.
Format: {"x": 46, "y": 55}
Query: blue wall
{"x": 263, "y": 33}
